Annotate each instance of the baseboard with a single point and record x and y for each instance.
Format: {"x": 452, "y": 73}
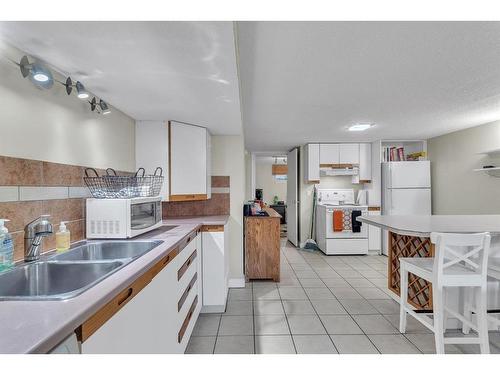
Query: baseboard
{"x": 237, "y": 282}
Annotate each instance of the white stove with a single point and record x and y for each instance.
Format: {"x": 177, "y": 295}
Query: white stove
{"x": 337, "y": 230}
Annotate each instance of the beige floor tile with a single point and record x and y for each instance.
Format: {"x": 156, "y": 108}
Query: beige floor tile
{"x": 340, "y": 325}
{"x": 305, "y": 325}
{"x": 353, "y": 344}
{"x": 298, "y": 307}
{"x": 271, "y": 325}
{"x": 314, "y": 344}
{"x": 274, "y": 345}
{"x": 265, "y": 307}
{"x": 234, "y": 345}
{"x": 393, "y": 344}
{"x": 201, "y": 345}
{"x": 236, "y": 326}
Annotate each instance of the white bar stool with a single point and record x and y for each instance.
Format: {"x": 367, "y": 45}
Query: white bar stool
{"x": 460, "y": 260}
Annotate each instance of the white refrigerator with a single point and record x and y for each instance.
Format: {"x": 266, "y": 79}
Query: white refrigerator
{"x": 406, "y": 190}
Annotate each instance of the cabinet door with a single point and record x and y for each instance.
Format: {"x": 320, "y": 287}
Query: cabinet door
{"x": 329, "y": 153}
{"x": 151, "y": 149}
{"x": 130, "y": 331}
{"x": 214, "y": 272}
{"x": 365, "y": 162}
{"x": 164, "y": 288}
{"x": 374, "y": 234}
{"x": 349, "y": 153}
{"x": 188, "y": 162}
{"x": 311, "y": 163}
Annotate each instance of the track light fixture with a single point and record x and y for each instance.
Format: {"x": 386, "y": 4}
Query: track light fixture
{"x": 81, "y": 92}
{"x": 101, "y": 107}
{"x": 104, "y": 107}
{"x": 41, "y": 76}
{"x": 37, "y": 72}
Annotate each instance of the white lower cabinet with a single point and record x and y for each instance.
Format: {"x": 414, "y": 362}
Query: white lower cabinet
{"x": 374, "y": 234}
{"x": 131, "y": 330}
{"x": 215, "y": 268}
{"x": 159, "y": 318}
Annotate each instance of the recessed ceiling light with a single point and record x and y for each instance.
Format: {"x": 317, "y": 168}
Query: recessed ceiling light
{"x": 359, "y": 127}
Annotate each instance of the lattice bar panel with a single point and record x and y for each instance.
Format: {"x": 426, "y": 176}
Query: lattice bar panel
{"x": 401, "y": 246}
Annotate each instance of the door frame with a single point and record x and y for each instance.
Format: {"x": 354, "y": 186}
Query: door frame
{"x": 297, "y": 204}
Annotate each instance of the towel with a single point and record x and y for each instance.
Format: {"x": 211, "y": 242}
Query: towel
{"x": 338, "y": 220}
{"x": 356, "y": 225}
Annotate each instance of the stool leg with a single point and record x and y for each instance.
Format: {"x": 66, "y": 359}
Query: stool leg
{"x": 482, "y": 321}
{"x": 468, "y": 294}
{"x": 438, "y": 309}
{"x": 403, "y": 286}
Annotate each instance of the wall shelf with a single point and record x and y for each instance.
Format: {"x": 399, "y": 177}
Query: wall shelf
{"x": 490, "y": 152}
{"x": 492, "y": 172}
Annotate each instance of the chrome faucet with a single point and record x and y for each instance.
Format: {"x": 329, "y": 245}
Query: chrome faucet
{"x": 34, "y": 233}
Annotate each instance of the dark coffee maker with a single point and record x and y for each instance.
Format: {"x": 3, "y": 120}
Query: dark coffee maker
{"x": 259, "y": 195}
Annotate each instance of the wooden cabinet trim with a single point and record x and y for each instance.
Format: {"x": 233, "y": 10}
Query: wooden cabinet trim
{"x": 186, "y": 292}
{"x": 186, "y": 265}
{"x": 186, "y": 240}
{"x": 373, "y": 208}
{"x": 212, "y": 228}
{"x": 188, "y": 197}
{"x": 185, "y": 324}
{"x": 96, "y": 321}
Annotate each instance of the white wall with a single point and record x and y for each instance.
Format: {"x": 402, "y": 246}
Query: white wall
{"x": 249, "y": 176}
{"x": 456, "y": 189}
{"x": 265, "y": 180}
{"x": 228, "y": 159}
{"x": 49, "y": 125}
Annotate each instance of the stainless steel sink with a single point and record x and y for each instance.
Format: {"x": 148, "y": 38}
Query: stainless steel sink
{"x": 107, "y": 250}
{"x": 66, "y": 275}
{"x": 49, "y": 280}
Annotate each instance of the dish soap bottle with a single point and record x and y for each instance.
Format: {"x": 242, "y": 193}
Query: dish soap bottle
{"x": 62, "y": 238}
{"x": 6, "y": 247}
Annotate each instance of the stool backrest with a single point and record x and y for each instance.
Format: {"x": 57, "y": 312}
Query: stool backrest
{"x": 467, "y": 250}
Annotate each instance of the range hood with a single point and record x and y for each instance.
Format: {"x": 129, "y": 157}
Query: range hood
{"x": 351, "y": 171}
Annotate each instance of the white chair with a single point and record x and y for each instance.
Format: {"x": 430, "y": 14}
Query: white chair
{"x": 460, "y": 260}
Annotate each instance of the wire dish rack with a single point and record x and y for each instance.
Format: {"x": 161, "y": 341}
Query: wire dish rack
{"x": 112, "y": 186}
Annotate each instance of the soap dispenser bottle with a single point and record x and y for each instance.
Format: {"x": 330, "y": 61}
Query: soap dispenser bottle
{"x": 6, "y": 247}
{"x": 62, "y": 238}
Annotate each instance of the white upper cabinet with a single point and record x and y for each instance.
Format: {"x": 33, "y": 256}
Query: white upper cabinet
{"x": 311, "y": 163}
{"x": 365, "y": 162}
{"x": 189, "y": 162}
{"x": 349, "y": 153}
{"x": 329, "y": 153}
{"x": 151, "y": 149}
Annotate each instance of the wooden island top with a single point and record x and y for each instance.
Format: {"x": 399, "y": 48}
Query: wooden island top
{"x": 262, "y": 246}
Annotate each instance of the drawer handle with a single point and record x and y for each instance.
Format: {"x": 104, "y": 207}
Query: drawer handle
{"x": 189, "y": 239}
{"x": 129, "y": 294}
{"x": 167, "y": 259}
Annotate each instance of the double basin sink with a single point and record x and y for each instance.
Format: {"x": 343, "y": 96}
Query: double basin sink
{"x": 66, "y": 275}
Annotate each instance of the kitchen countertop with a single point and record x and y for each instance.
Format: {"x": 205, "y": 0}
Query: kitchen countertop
{"x": 424, "y": 225}
{"x": 38, "y": 326}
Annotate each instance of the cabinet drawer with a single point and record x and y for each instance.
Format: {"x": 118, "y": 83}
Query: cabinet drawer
{"x": 185, "y": 324}
{"x": 189, "y": 289}
{"x": 188, "y": 263}
{"x": 186, "y": 247}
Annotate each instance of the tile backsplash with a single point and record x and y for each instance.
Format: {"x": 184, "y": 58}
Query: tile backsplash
{"x": 217, "y": 205}
{"x": 30, "y": 188}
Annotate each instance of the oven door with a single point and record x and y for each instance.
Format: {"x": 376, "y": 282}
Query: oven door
{"x": 144, "y": 217}
{"x": 347, "y": 232}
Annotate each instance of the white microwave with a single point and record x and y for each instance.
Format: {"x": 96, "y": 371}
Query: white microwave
{"x": 122, "y": 218}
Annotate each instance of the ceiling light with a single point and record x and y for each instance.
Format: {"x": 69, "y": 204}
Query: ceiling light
{"x": 80, "y": 89}
{"x": 104, "y": 107}
{"x": 38, "y": 73}
{"x": 69, "y": 85}
{"x": 359, "y": 127}
{"x": 93, "y": 104}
